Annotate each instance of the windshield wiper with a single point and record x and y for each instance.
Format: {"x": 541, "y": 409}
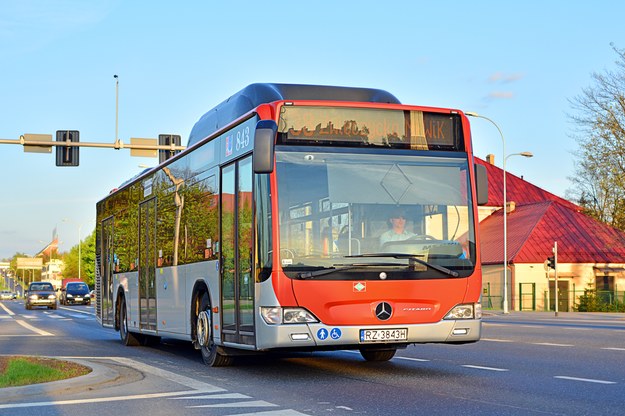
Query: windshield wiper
{"x": 341, "y": 267}
{"x": 412, "y": 258}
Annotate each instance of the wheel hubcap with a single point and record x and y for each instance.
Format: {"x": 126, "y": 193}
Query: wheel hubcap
{"x": 203, "y": 328}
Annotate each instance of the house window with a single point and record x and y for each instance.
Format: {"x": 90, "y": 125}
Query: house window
{"x": 605, "y": 288}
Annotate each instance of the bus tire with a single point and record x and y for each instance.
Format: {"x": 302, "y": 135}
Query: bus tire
{"x": 204, "y": 332}
{"x": 128, "y": 338}
{"x": 371, "y": 354}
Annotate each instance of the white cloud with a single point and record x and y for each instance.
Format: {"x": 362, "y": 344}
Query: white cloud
{"x": 501, "y": 95}
{"x": 503, "y": 78}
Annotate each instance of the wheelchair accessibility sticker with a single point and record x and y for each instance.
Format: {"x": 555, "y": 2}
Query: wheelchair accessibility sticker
{"x": 334, "y": 333}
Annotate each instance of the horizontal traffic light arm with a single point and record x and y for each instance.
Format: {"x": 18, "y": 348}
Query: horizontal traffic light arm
{"x": 24, "y": 141}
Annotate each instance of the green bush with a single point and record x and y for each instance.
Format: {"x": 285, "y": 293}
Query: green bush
{"x": 590, "y": 301}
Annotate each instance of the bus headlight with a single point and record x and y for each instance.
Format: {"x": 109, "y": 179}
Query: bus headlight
{"x": 278, "y": 315}
{"x": 465, "y": 311}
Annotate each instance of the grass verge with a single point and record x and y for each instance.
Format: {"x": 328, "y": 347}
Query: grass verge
{"x": 25, "y": 370}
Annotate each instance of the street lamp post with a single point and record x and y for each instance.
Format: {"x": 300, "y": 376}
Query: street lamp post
{"x": 79, "y": 246}
{"x": 505, "y": 208}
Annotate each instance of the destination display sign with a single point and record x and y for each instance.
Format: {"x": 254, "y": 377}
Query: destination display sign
{"x": 361, "y": 126}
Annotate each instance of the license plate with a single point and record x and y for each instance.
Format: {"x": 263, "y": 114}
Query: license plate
{"x": 384, "y": 335}
{"x": 78, "y": 299}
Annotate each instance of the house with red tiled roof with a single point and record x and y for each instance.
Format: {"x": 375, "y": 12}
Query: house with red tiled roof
{"x": 590, "y": 254}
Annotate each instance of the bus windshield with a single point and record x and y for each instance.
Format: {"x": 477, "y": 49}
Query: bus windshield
{"x": 357, "y": 210}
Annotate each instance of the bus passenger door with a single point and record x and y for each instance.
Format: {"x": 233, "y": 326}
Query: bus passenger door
{"x": 237, "y": 281}
{"x": 147, "y": 264}
{"x": 104, "y": 303}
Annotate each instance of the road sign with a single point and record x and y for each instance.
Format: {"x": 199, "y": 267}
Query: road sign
{"x": 29, "y": 262}
{"x": 39, "y": 148}
{"x": 149, "y": 151}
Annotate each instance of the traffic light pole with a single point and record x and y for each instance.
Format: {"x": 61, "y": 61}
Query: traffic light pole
{"x": 555, "y": 272}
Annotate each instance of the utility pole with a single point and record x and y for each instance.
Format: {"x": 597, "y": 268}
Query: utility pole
{"x": 117, "y": 143}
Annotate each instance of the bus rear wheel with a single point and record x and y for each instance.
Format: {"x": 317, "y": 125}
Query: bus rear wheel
{"x": 371, "y": 354}
{"x": 203, "y": 329}
{"x": 128, "y": 338}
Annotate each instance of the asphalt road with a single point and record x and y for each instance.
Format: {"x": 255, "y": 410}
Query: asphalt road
{"x": 526, "y": 364}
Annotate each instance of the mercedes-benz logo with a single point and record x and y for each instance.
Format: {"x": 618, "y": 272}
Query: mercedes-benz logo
{"x": 383, "y": 311}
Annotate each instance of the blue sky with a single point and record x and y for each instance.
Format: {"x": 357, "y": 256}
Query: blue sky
{"x": 518, "y": 63}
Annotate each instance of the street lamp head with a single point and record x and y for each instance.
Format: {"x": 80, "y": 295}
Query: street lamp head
{"x": 471, "y": 114}
{"x": 527, "y": 154}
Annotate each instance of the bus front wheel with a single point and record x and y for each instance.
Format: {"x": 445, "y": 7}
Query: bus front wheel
{"x": 204, "y": 332}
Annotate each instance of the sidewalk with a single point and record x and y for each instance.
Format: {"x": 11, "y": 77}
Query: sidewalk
{"x": 581, "y": 316}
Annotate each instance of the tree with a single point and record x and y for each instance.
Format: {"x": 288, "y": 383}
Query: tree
{"x": 599, "y": 181}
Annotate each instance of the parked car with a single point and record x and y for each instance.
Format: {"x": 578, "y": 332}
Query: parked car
{"x": 75, "y": 293}
{"x": 7, "y": 295}
{"x": 40, "y": 294}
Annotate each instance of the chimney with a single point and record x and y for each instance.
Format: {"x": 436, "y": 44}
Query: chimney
{"x": 490, "y": 159}
{"x": 510, "y": 206}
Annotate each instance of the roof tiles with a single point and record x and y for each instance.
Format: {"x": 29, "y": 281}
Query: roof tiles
{"x": 540, "y": 219}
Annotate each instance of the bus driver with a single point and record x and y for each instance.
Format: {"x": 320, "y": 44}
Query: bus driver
{"x": 397, "y": 232}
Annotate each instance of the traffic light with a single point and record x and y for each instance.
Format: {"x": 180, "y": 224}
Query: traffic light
{"x": 551, "y": 262}
{"x": 67, "y": 155}
{"x": 166, "y": 140}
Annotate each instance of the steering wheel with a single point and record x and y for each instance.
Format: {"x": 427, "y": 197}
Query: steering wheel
{"x": 421, "y": 237}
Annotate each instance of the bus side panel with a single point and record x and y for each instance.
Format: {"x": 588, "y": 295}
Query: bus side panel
{"x": 171, "y": 300}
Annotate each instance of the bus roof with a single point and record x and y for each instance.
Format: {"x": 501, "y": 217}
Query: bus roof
{"x": 254, "y": 95}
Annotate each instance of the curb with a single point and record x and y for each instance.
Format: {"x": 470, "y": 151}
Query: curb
{"x": 99, "y": 374}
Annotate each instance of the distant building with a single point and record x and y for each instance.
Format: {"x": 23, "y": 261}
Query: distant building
{"x": 591, "y": 254}
{"x": 51, "y": 270}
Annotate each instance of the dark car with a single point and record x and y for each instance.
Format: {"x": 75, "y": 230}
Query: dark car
{"x": 40, "y": 294}
{"x": 75, "y": 293}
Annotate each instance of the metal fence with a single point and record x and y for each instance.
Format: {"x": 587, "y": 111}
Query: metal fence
{"x": 528, "y": 298}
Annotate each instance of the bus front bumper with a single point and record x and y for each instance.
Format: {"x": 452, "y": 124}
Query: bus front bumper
{"x": 321, "y": 336}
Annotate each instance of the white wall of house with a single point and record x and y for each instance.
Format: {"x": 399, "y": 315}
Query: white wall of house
{"x": 528, "y": 284}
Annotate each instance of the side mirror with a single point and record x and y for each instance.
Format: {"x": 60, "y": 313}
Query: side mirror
{"x": 481, "y": 184}
{"x": 264, "y": 140}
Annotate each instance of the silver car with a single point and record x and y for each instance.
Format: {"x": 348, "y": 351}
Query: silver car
{"x": 7, "y": 295}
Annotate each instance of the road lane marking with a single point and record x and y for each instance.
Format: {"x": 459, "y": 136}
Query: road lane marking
{"x": 496, "y": 340}
{"x": 214, "y": 396}
{"x": 32, "y": 328}
{"x": 286, "y": 412}
{"x": 551, "y": 344}
{"x": 99, "y": 399}
{"x": 479, "y": 367}
{"x": 168, "y": 375}
{"x": 421, "y": 360}
{"x": 586, "y": 380}
{"x": 255, "y": 403}
{"x": 613, "y": 349}
{"x": 7, "y": 310}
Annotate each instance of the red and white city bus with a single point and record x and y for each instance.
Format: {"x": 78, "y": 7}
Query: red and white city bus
{"x": 300, "y": 218}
